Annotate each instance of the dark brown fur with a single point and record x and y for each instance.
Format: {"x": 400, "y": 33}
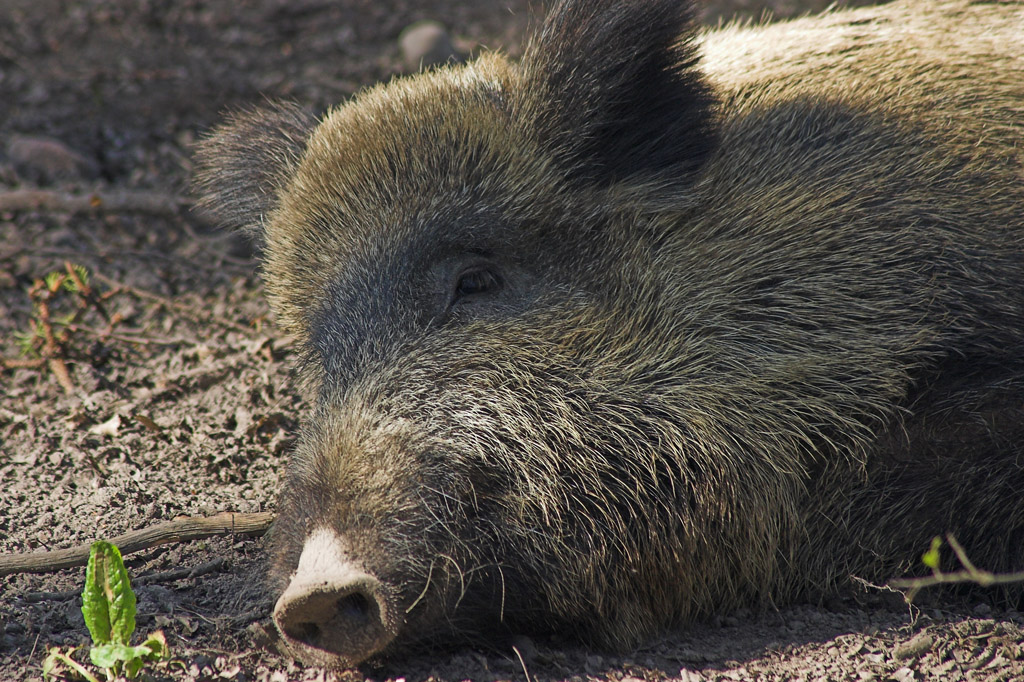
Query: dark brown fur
{"x": 748, "y": 326}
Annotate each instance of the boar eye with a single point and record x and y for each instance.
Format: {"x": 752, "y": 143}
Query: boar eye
{"x": 474, "y": 282}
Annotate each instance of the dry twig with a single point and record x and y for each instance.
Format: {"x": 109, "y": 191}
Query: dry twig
{"x": 22, "y": 363}
{"x": 52, "y": 349}
{"x": 200, "y": 316}
{"x": 116, "y": 201}
{"x": 968, "y": 574}
{"x": 178, "y": 530}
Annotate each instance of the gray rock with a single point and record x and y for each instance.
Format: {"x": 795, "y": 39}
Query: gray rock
{"x": 46, "y": 160}
{"x": 425, "y": 44}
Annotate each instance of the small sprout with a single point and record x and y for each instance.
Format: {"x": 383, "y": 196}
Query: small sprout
{"x": 108, "y": 602}
{"x": 29, "y": 342}
{"x": 931, "y": 557}
{"x": 108, "y": 605}
{"x": 77, "y": 281}
{"x": 113, "y": 655}
{"x": 53, "y": 280}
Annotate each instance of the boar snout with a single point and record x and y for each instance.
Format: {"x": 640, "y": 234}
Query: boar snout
{"x": 333, "y": 612}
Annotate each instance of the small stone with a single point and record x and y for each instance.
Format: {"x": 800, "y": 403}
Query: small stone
{"x": 425, "y": 44}
{"x": 904, "y": 675}
{"x": 45, "y": 160}
{"x": 917, "y": 646}
{"x": 230, "y": 672}
{"x": 526, "y": 648}
{"x": 107, "y": 428}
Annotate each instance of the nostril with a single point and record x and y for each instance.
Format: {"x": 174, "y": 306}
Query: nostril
{"x": 303, "y": 632}
{"x": 354, "y": 608}
{"x": 344, "y": 620}
{"x": 317, "y": 616}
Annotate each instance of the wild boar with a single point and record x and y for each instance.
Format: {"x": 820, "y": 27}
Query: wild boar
{"x": 650, "y": 324}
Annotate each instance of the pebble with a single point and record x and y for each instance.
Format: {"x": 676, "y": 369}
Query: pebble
{"x": 917, "y": 646}
{"x": 425, "y": 44}
{"x": 904, "y": 675}
{"x": 45, "y": 160}
{"x": 526, "y": 648}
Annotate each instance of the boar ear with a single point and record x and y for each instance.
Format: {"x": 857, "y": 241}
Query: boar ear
{"x": 242, "y": 165}
{"x": 615, "y": 91}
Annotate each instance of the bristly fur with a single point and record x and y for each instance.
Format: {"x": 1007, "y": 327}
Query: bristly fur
{"x": 609, "y": 339}
{"x": 615, "y": 86}
{"x": 240, "y": 170}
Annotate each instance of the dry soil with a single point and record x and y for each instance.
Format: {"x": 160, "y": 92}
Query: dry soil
{"x": 179, "y": 399}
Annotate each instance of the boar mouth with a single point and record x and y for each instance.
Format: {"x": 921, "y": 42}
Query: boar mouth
{"x": 333, "y": 613}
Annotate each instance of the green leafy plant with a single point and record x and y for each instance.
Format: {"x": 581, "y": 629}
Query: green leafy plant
{"x": 60, "y": 300}
{"x": 108, "y": 605}
{"x": 44, "y": 294}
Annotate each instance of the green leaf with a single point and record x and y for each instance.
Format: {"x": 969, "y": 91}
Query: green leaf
{"x": 157, "y": 645}
{"x": 27, "y": 343}
{"x": 108, "y": 602}
{"x": 132, "y": 667}
{"x": 931, "y": 557}
{"x": 83, "y": 275}
{"x": 110, "y": 654}
{"x": 63, "y": 320}
{"x": 53, "y": 280}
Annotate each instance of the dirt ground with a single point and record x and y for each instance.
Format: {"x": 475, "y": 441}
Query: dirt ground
{"x": 179, "y": 400}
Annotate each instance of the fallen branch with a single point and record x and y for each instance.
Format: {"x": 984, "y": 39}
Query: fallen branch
{"x": 179, "y": 530}
{"x": 116, "y": 201}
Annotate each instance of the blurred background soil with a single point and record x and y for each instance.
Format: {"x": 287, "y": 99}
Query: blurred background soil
{"x": 175, "y": 397}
